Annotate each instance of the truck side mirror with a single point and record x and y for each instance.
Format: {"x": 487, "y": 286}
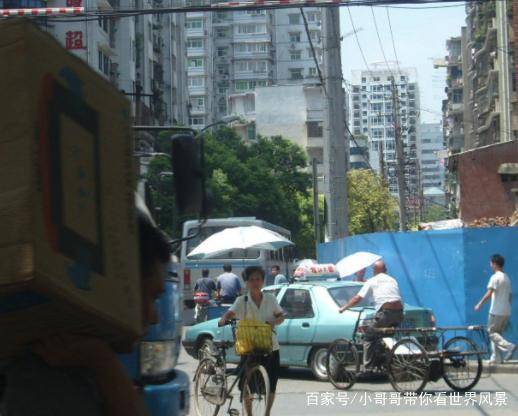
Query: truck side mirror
{"x": 188, "y": 174}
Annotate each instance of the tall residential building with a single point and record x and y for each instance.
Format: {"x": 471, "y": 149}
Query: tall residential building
{"x": 481, "y": 112}
{"x": 230, "y": 53}
{"x": 372, "y": 115}
{"x": 431, "y": 165}
{"x": 141, "y": 54}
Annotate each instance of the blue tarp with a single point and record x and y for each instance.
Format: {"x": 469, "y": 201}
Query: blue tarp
{"x": 444, "y": 270}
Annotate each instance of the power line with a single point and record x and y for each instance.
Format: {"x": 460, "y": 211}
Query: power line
{"x": 306, "y": 28}
{"x": 380, "y": 42}
{"x": 358, "y": 41}
{"x": 393, "y": 43}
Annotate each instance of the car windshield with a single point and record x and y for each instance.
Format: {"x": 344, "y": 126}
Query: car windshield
{"x": 343, "y": 294}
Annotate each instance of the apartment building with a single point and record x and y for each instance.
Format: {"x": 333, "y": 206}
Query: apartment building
{"x": 481, "y": 112}
{"x": 231, "y": 53}
{"x": 430, "y": 147}
{"x": 372, "y": 115}
{"x": 143, "y": 56}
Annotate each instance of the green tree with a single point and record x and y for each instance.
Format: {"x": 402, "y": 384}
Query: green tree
{"x": 435, "y": 213}
{"x": 371, "y": 207}
{"x": 267, "y": 179}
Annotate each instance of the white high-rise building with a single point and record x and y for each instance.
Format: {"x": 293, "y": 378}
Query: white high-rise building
{"x": 372, "y": 115}
{"x": 230, "y": 53}
{"x": 141, "y": 54}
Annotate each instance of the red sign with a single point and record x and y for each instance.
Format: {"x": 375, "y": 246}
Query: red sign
{"x": 74, "y": 40}
{"x": 74, "y": 3}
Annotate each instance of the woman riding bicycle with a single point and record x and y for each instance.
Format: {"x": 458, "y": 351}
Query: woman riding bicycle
{"x": 263, "y": 307}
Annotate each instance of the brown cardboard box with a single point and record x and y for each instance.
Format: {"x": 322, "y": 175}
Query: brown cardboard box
{"x": 68, "y": 236}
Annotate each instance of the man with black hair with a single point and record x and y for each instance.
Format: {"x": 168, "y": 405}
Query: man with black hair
{"x": 499, "y": 291}
{"x": 80, "y": 375}
{"x": 278, "y": 277}
{"x": 228, "y": 285}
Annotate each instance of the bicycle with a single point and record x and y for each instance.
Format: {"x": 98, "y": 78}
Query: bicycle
{"x": 213, "y": 385}
{"x": 407, "y": 362}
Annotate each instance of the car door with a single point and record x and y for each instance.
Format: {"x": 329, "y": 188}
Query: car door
{"x": 282, "y": 329}
{"x": 301, "y": 314}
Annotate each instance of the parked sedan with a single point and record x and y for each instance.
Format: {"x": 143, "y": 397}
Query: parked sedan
{"x": 312, "y": 323}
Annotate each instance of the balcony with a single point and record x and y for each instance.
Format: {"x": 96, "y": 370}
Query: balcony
{"x": 317, "y": 142}
{"x": 198, "y": 110}
{"x": 193, "y": 52}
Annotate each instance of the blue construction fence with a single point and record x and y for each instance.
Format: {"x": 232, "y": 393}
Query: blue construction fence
{"x": 445, "y": 270}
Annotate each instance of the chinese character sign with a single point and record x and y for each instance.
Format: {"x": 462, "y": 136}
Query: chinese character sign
{"x": 74, "y": 40}
{"x": 74, "y": 3}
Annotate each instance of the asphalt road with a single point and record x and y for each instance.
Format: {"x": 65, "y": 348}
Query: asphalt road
{"x": 298, "y": 393}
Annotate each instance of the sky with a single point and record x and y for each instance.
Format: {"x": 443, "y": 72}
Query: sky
{"x": 419, "y": 35}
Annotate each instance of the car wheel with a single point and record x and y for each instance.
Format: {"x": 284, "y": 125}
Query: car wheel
{"x": 206, "y": 348}
{"x": 317, "y": 363}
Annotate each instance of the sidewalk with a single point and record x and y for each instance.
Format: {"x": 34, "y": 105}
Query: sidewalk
{"x": 509, "y": 367}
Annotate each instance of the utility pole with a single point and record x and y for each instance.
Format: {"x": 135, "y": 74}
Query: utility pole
{"x": 400, "y": 159}
{"x": 336, "y": 144}
{"x": 316, "y": 208}
{"x": 504, "y": 75}
{"x": 382, "y": 163}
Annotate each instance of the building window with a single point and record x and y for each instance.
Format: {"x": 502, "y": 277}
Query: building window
{"x": 250, "y": 47}
{"x": 194, "y": 43}
{"x": 250, "y": 131}
{"x": 294, "y": 19}
{"x": 194, "y": 24}
{"x": 295, "y": 55}
{"x": 195, "y": 63}
{"x": 249, "y": 85}
{"x": 313, "y": 72}
{"x": 196, "y": 81}
{"x": 295, "y": 37}
{"x": 222, "y": 51}
{"x": 313, "y": 17}
{"x": 252, "y": 66}
{"x": 315, "y": 129}
{"x": 104, "y": 63}
{"x": 315, "y": 36}
{"x": 251, "y": 28}
{"x": 376, "y": 79}
{"x": 377, "y": 133}
{"x": 295, "y": 73}
{"x": 104, "y": 23}
{"x": 196, "y": 121}
{"x": 364, "y": 80}
{"x": 197, "y": 103}
{"x": 221, "y": 32}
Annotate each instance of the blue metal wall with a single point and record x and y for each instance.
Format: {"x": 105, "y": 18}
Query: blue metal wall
{"x": 445, "y": 270}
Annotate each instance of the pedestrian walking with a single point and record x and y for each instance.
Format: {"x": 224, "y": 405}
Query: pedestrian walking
{"x": 500, "y": 292}
{"x": 278, "y": 277}
{"x": 228, "y": 285}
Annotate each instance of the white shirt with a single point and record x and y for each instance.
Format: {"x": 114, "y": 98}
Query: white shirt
{"x": 382, "y": 288}
{"x": 264, "y": 313}
{"x": 501, "y": 297}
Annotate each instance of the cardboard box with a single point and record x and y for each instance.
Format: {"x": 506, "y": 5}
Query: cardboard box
{"x": 68, "y": 234}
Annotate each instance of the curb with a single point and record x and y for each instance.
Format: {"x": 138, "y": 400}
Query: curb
{"x": 510, "y": 367}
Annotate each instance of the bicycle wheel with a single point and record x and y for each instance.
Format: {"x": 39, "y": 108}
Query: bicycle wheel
{"x": 209, "y": 388}
{"x": 255, "y": 392}
{"x": 342, "y": 364}
{"x": 408, "y": 366}
{"x": 462, "y": 364}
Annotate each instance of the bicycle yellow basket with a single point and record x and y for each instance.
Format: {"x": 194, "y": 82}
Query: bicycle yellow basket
{"x": 253, "y": 337}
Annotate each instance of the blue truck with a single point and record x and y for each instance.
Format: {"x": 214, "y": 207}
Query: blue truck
{"x": 152, "y": 364}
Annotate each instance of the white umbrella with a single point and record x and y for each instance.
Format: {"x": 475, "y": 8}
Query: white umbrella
{"x": 356, "y": 262}
{"x": 251, "y": 237}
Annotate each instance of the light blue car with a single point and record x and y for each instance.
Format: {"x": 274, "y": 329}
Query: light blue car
{"x": 312, "y": 323}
